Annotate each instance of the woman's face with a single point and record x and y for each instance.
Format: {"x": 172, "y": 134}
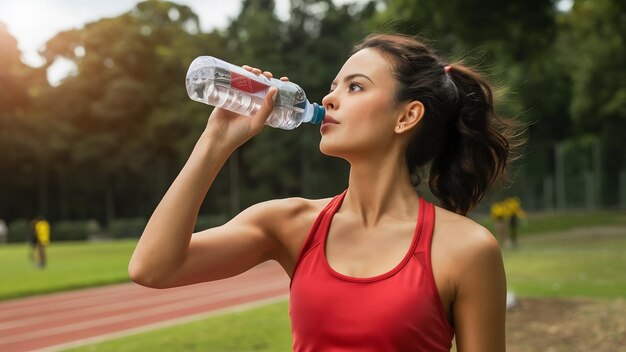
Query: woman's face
{"x": 361, "y": 113}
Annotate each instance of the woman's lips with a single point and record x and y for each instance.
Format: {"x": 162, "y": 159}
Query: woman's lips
{"x": 329, "y": 119}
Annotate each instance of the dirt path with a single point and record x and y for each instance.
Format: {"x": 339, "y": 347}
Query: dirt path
{"x": 56, "y": 321}
{"x": 567, "y": 325}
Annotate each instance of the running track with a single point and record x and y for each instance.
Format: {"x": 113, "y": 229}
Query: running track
{"x": 61, "y": 320}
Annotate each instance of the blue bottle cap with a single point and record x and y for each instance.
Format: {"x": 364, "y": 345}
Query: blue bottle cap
{"x": 318, "y": 113}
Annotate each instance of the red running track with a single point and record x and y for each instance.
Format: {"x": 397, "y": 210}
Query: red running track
{"x": 55, "y": 321}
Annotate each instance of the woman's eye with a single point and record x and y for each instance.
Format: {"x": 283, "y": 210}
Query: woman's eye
{"x": 354, "y": 87}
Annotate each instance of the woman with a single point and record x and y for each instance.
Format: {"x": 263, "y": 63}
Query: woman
{"x": 377, "y": 267}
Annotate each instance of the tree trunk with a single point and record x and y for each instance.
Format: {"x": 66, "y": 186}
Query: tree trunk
{"x": 42, "y": 189}
{"x": 109, "y": 203}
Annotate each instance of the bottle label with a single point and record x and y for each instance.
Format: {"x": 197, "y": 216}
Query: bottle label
{"x": 246, "y": 84}
{"x": 290, "y": 95}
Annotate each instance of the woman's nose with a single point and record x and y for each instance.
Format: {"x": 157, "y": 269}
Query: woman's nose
{"x": 329, "y": 101}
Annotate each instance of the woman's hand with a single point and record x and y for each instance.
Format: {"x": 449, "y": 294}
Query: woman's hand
{"x": 232, "y": 129}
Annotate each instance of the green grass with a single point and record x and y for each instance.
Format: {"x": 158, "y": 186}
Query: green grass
{"x": 592, "y": 266}
{"x": 260, "y": 329}
{"x": 71, "y": 265}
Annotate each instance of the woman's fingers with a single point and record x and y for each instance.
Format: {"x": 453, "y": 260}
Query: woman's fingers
{"x": 259, "y": 118}
{"x": 258, "y": 71}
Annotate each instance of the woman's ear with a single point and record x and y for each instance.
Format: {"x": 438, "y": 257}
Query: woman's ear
{"x": 411, "y": 116}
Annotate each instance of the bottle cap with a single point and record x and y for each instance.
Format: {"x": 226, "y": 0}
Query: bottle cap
{"x": 318, "y": 113}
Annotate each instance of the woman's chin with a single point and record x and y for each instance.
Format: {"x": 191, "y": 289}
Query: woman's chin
{"x": 329, "y": 149}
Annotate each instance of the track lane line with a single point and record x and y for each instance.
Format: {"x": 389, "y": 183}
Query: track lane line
{"x": 124, "y": 317}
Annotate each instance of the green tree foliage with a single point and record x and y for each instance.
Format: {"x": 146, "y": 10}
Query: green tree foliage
{"x": 121, "y": 108}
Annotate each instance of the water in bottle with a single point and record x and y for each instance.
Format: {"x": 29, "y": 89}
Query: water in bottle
{"x": 219, "y": 83}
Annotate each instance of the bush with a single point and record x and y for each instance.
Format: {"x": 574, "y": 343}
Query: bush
{"x": 19, "y": 230}
{"x": 79, "y": 230}
{"x": 126, "y": 228}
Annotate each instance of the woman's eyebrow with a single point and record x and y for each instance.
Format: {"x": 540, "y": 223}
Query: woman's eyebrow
{"x": 352, "y": 76}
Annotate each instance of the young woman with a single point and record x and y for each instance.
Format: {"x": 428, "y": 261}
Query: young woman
{"x": 376, "y": 268}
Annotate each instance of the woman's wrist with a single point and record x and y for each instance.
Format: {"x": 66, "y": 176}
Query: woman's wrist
{"x": 215, "y": 144}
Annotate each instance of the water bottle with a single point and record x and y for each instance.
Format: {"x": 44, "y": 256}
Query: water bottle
{"x": 219, "y": 83}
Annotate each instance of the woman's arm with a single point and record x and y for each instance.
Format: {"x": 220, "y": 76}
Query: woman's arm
{"x": 167, "y": 254}
{"x": 479, "y": 308}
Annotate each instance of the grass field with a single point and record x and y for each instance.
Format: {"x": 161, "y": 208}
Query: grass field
{"x": 586, "y": 266}
{"x": 71, "y": 265}
{"x": 265, "y": 328}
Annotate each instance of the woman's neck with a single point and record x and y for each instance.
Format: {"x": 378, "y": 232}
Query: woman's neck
{"x": 379, "y": 191}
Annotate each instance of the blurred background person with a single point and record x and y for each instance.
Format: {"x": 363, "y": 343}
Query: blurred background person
{"x": 4, "y": 231}
{"x": 41, "y": 234}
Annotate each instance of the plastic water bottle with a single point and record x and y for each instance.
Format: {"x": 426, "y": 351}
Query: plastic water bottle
{"x": 219, "y": 83}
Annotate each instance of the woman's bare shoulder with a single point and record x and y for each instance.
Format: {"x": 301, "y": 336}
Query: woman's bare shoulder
{"x": 286, "y": 217}
{"x": 462, "y": 236}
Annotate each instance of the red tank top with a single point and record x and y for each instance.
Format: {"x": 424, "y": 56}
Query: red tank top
{"x": 396, "y": 311}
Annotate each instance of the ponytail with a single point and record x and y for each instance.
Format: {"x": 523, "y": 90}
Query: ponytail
{"x": 476, "y": 149}
{"x": 467, "y": 146}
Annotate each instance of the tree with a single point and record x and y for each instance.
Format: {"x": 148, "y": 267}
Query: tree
{"x": 594, "y": 36}
{"x": 122, "y": 104}
{"x": 22, "y": 138}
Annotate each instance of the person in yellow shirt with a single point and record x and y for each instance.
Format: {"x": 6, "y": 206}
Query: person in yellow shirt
{"x": 42, "y": 237}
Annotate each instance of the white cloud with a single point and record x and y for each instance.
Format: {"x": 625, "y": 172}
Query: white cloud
{"x": 33, "y": 22}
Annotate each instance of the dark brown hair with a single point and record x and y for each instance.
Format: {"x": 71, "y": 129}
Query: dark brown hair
{"x": 467, "y": 145}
